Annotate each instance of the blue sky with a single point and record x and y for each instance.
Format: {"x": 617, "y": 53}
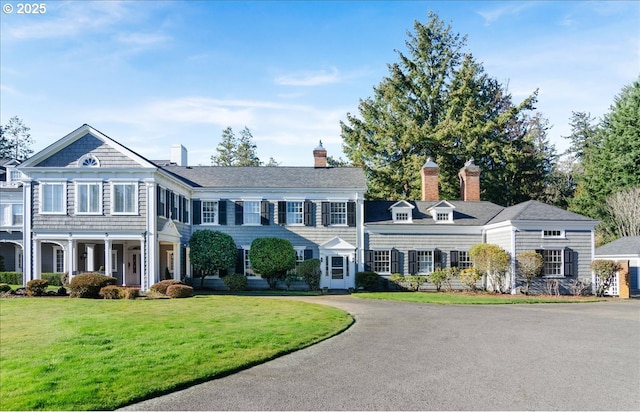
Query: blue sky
{"x": 151, "y": 74}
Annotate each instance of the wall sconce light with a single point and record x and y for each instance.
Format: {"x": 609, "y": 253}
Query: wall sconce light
{"x": 83, "y": 256}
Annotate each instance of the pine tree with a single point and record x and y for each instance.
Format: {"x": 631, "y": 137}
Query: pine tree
{"x": 234, "y": 151}
{"x": 226, "y": 149}
{"x": 15, "y": 140}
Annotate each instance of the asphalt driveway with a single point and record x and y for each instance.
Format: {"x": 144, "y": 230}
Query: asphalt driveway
{"x": 407, "y": 356}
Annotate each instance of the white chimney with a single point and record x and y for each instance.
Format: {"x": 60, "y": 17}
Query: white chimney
{"x": 178, "y": 155}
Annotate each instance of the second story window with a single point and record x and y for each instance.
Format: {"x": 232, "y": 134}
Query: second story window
{"x": 251, "y": 213}
{"x": 124, "y": 198}
{"x": 11, "y": 215}
{"x": 88, "y": 198}
{"x": 338, "y": 213}
{"x": 210, "y": 212}
{"x": 294, "y": 213}
{"x": 53, "y": 198}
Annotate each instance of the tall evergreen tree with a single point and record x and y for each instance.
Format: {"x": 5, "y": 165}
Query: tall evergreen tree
{"x": 226, "y": 149}
{"x": 15, "y": 140}
{"x": 246, "y": 151}
{"x": 611, "y": 163}
{"x": 234, "y": 151}
{"x": 437, "y": 101}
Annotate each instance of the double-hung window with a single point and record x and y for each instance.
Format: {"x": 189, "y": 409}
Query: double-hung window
{"x": 424, "y": 261}
{"x": 338, "y": 213}
{"x": 11, "y": 214}
{"x": 251, "y": 213}
{"x": 464, "y": 260}
{"x": 209, "y": 212}
{"x": 552, "y": 262}
{"x": 53, "y": 197}
{"x": 295, "y": 213}
{"x": 88, "y": 198}
{"x": 382, "y": 261}
{"x": 124, "y": 198}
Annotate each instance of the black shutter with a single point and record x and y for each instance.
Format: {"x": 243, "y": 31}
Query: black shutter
{"x": 308, "y": 213}
{"x": 568, "y": 262}
{"x": 308, "y": 254}
{"x": 158, "y": 201}
{"x": 437, "y": 259}
{"x": 167, "y": 204}
{"x": 326, "y": 213}
{"x": 413, "y": 262}
{"x": 453, "y": 258}
{"x": 222, "y": 212}
{"x": 351, "y": 215}
{"x": 240, "y": 261}
{"x": 239, "y": 213}
{"x": 180, "y": 208}
{"x": 368, "y": 260}
{"x": 282, "y": 212}
{"x": 264, "y": 213}
{"x": 395, "y": 261}
{"x": 197, "y": 212}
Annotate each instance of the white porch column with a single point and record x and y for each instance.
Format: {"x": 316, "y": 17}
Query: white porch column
{"x": 145, "y": 270}
{"x": 188, "y": 263}
{"x": 176, "y": 261}
{"x": 108, "y": 264}
{"x": 27, "y": 252}
{"x": 37, "y": 260}
{"x": 90, "y": 248}
{"x": 69, "y": 259}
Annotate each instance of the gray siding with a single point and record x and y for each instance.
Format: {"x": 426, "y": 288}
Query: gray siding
{"x": 500, "y": 237}
{"x": 68, "y": 157}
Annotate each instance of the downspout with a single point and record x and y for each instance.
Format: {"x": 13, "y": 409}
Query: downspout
{"x": 513, "y": 260}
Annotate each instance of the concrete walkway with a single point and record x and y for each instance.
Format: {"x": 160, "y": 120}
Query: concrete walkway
{"x": 407, "y": 356}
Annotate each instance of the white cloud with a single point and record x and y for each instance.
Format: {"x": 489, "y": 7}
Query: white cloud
{"x": 504, "y": 9}
{"x": 309, "y": 78}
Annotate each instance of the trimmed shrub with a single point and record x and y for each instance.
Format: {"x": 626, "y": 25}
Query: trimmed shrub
{"x": 62, "y": 291}
{"x": 37, "y": 287}
{"x": 179, "y": 291}
{"x": 310, "y": 272}
{"x": 55, "y": 279}
{"x": 235, "y": 282}
{"x": 88, "y": 285}
{"x": 11, "y": 278}
{"x": 398, "y": 280}
{"x": 111, "y": 292}
{"x": 469, "y": 278}
{"x": 4, "y": 288}
{"x": 161, "y": 287}
{"x": 415, "y": 281}
{"x": 367, "y": 280}
{"x": 130, "y": 293}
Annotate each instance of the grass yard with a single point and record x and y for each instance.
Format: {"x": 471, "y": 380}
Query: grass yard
{"x": 80, "y": 354}
{"x": 459, "y": 298}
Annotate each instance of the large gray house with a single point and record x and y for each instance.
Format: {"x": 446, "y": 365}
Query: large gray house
{"x": 95, "y": 204}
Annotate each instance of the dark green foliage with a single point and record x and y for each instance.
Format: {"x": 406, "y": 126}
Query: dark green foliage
{"x": 236, "y": 282}
{"x": 167, "y": 274}
{"x": 55, "y": 279}
{"x": 310, "y": 272}
{"x": 4, "y": 288}
{"x": 15, "y": 140}
{"x": 179, "y": 291}
{"x": 271, "y": 258}
{"x": 233, "y": 151}
{"x": 37, "y": 287}
{"x": 369, "y": 281}
{"x": 161, "y": 287}
{"x": 11, "y": 278}
{"x": 437, "y": 101}
{"x": 88, "y": 285}
{"x": 211, "y": 252}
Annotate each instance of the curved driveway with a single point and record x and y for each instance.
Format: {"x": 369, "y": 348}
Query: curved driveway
{"x": 407, "y": 356}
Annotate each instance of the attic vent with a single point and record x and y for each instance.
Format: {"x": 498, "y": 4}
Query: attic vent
{"x": 88, "y": 161}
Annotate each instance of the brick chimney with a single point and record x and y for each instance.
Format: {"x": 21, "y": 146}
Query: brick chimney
{"x": 469, "y": 181}
{"x": 320, "y": 156}
{"x": 429, "y": 173}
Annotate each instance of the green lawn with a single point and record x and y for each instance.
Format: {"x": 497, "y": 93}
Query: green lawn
{"x": 444, "y": 298}
{"x": 80, "y": 354}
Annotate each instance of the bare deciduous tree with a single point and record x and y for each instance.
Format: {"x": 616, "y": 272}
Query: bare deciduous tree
{"x": 624, "y": 208}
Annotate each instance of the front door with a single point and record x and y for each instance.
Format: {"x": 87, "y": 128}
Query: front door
{"x": 132, "y": 274}
{"x": 337, "y": 270}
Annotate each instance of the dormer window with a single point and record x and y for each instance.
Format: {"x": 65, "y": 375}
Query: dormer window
{"x": 442, "y": 212}
{"x": 88, "y": 161}
{"x": 401, "y": 212}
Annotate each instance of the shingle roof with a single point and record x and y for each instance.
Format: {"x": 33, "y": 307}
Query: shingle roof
{"x": 534, "y": 210}
{"x": 464, "y": 214}
{"x": 629, "y": 245}
{"x": 280, "y": 177}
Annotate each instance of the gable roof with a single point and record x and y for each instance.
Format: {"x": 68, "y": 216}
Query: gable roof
{"x": 277, "y": 177}
{"x": 77, "y": 134}
{"x": 532, "y": 210}
{"x": 628, "y": 245}
{"x": 464, "y": 213}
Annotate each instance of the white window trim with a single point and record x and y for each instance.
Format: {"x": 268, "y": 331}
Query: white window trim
{"x": 399, "y": 210}
{"x": 91, "y": 158}
{"x": 562, "y": 274}
{"x": 245, "y": 259}
{"x": 135, "y": 195}
{"x": 114, "y": 260}
{"x": 78, "y": 183}
{"x": 435, "y": 212}
{"x": 55, "y": 262}
{"x": 301, "y": 212}
{"x": 373, "y": 263}
{"x": 245, "y": 213}
{"x": 217, "y": 220}
{"x": 7, "y": 218}
{"x": 562, "y": 235}
{"x": 433, "y": 261}
{"x": 63, "y": 184}
{"x": 346, "y": 214}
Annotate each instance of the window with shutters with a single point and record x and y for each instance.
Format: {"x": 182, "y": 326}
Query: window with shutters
{"x": 557, "y": 262}
{"x": 464, "y": 260}
{"x": 295, "y": 213}
{"x": 381, "y": 261}
{"x": 251, "y": 213}
{"x": 338, "y": 213}
{"x": 162, "y": 202}
{"x": 424, "y": 261}
{"x": 209, "y": 212}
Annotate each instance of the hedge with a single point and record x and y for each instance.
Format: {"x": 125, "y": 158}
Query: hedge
{"x": 88, "y": 285}
{"x": 119, "y": 292}
{"x": 179, "y": 291}
{"x": 11, "y": 278}
{"x": 236, "y": 282}
{"x": 37, "y": 287}
{"x": 367, "y": 280}
{"x": 161, "y": 287}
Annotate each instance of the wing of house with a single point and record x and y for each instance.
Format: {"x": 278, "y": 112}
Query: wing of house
{"x": 624, "y": 249}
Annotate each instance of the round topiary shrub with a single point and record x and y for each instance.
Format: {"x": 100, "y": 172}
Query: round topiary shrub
{"x": 37, "y": 287}
{"x": 161, "y": 287}
{"x": 367, "y": 280}
{"x": 179, "y": 291}
{"x": 235, "y": 282}
{"x": 4, "y": 288}
{"x": 88, "y": 285}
